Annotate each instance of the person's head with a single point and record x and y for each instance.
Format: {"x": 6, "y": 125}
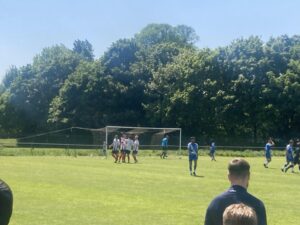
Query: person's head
{"x": 239, "y": 172}
{"x": 136, "y": 137}
{"x": 291, "y": 142}
{"x": 270, "y": 140}
{"x": 116, "y": 136}
{"x": 239, "y": 214}
{"x": 167, "y": 136}
{"x": 193, "y": 139}
{"x": 6, "y": 203}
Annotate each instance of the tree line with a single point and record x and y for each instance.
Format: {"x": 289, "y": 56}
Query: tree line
{"x": 159, "y": 77}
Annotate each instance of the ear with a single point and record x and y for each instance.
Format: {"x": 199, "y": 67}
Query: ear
{"x": 229, "y": 177}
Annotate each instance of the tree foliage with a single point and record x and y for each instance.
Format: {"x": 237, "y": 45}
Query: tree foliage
{"x": 249, "y": 88}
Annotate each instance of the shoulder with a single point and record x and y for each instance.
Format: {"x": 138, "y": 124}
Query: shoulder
{"x": 218, "y": 200}
{"x": 256, "y": 204}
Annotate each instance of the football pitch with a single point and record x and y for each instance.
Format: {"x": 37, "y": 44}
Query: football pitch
{"x": 95, "y": 191}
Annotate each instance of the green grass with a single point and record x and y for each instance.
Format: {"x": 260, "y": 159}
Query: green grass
{"x": 49, "y": 151}
{"x": 8, "y": 141}
{"x": 51, "y": 190}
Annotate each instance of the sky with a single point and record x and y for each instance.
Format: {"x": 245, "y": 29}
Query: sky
{"x": 28, "y": 26}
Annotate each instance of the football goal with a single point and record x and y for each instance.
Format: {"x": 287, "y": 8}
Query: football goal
{"x": 149, "y": 137}
{"x": 81, "y": 137}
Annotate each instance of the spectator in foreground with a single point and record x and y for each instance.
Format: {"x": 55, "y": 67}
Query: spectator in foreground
{"x": 6, "y": 203}
{"x": 239, "y": 175}
{"x": 239, "y": 214}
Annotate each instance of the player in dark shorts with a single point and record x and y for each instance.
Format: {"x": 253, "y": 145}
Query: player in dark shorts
{"x": 193, "y": 155}
{"x": 268, "y": 152}
{"x": 212, "y": 151}
{"x": 297, "y": 153}
{"x": 122, "y": 148}
{"x": 164, "y": 145}
{"x": 289, "y": 158}
{"x": 115, "y": 145}
{"x": 136, "y": 145}
{"x": 129, "y": 146}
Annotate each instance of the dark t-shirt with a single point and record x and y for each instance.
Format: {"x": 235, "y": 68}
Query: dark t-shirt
{"x": 6, "y": 203}
{"x": 235, "y": 194}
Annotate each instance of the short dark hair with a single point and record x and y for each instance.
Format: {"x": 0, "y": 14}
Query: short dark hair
{"x": 6, "y": 202}
{"x": 239, "y": 167}
{"x": 239, "y": 214}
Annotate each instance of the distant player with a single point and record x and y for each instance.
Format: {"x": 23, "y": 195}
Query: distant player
{"x": 193, "y": 155}
{"x": 136, "y": 145}
{"x": 212, "y": 151}
{"x": 289, "y": 158}
{"x": 297, "y": 153}
{"x": 104, "y": 149}
{"x": 122, "y": 148}
{"x": 268, "y": 152}
{"x": 129, "y": 146}
{"x": 115, "y": 148}
{"x": 164, "y": 145}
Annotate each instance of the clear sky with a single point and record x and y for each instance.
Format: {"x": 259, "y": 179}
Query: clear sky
{"x": 27, "y": 26}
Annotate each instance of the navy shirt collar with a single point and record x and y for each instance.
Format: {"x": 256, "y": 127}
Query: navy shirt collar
{"x": 237, "y": 188}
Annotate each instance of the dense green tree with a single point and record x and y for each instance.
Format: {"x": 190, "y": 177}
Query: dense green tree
{"x": 82, "y": 99}
{"x": 10, "y": 76}
{"x": 2, "y": 89}
{"x": 164, "y": 33}
{"x": 248, "y": 89}
{"x": 84, "y": 49}
{"x": 36, "y": 85}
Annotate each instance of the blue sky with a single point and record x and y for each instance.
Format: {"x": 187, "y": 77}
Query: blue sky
{"x": 27, "y": 26}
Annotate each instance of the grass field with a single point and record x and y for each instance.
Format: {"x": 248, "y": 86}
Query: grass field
{"x": 95, "y": 191}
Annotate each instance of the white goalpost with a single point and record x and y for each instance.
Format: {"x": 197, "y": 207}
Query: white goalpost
{"x": 150, "y": 137}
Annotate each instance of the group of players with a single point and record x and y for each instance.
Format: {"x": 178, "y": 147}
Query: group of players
{"x": 121, "y": 148}
{"x": 292, "y": 154}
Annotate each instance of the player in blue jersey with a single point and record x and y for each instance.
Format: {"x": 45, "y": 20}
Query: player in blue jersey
{"x": 289, "y": 157}
{"x": 164, "y": 145}
{"x": 268, "y": 152}
{"x": 193, "y": 155}
{"x": 297, "y": 153}
{"x": 212, "y": 151}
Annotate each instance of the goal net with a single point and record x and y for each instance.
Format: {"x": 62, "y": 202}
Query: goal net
{"x": 149, "y": 137}
{"x": 79, "y": 137}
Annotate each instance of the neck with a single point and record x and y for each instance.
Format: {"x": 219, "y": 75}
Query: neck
{"x": 240, "y": 183}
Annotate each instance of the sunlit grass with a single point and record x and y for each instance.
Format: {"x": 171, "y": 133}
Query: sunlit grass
{"x": 93, "y": 191}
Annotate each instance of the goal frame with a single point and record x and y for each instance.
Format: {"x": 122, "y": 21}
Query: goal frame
{"x": 146, "y": 128}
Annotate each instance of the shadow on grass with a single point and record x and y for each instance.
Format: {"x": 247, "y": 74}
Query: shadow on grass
{"x": 199, "y": 176}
